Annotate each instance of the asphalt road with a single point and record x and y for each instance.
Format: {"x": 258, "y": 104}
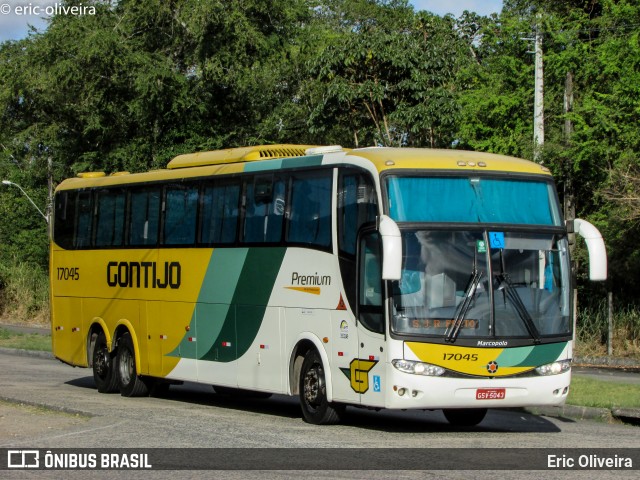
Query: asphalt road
{"x": 77, "y": 416}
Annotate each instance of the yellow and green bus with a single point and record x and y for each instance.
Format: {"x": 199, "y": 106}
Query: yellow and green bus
{"x": 374, "y": 277}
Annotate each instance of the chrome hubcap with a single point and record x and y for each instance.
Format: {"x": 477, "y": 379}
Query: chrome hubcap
{"x": 312, "y": 386}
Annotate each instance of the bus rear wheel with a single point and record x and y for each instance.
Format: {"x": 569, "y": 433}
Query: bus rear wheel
{"x": 130, "y": 383}
{"x": 316, "y": 409}
{"x": 103, "y": 366}
{"x": 465, "y": 417}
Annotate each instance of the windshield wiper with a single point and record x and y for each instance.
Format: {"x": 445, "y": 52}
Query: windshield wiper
{"x": 504, "y": 284}
{"x": 461, "y": 312}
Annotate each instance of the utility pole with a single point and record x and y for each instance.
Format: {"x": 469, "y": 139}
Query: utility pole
{"x": 569, "y": 191}
{"x": 49, "y": 210}
{"x": 538, "y": 107}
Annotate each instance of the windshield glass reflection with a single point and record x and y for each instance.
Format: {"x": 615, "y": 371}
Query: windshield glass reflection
{"x": 458, "y": 284}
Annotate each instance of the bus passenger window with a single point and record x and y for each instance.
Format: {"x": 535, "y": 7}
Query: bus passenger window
{"x": 85, "y": 220}
{"x": 144, "y": 217}
{"x": 181, "y": 208}
{"x": 65, "y": 210}
{"x": 110, "y": 221}
{"x": 219, "y": 222}
{"x": 310, "y": 214}
{"x": 265, "y": 204}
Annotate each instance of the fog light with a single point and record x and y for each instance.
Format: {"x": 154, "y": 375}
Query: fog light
{"x": 402, "y": 391}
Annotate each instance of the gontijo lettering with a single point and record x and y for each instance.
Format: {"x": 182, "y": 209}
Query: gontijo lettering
{"x": 144, "y": 274}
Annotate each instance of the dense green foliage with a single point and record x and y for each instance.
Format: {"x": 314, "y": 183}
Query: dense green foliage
{"x": 142, "y": 81}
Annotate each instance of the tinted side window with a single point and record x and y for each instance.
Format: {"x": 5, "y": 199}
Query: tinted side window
{"x": 110, "y": 218}
{"x": 84, "y": 214}
{"x": 64, "y": 220}
{"x": 144, "y": 217}
{"x": 310, "y": 210}
{"x": 180, "y": 214}
{"x": 264, "y": 212}
{"x": 219, "y": 221}
{"x": 357, "y": 205}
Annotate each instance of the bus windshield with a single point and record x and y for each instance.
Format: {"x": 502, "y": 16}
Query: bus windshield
{"x": 479, "y": 199}
{"x": 478, "y": 284}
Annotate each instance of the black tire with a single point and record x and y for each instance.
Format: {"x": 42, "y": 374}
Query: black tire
{"x": 103, "y": 363}
{"x": 240, "y": 392}
{"x": 129, "y": 382}
{"x": 465, "y": 417}
{"x": 316, "y": 409}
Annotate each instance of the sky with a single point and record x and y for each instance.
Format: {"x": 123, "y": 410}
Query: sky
{"x": 456, "y": 7}
{"x": 17, "y": 15}
{"x": 14, "y": 21}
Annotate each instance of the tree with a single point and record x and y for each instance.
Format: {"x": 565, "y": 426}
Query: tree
{"x": 387, "y": 77}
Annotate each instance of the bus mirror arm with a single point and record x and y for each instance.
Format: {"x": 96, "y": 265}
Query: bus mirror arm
{"x": 596, "y": 248}
{"x": 570, "y": 226}
{"x": 391, "y": 248}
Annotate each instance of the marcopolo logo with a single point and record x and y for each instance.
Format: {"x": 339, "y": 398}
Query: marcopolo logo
{"x": 144, "y": 274}
{"x": 500, "y": 343}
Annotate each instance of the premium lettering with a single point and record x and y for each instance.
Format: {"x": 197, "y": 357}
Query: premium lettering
{"x": 297, "y": 279}
{"x": 144, "y": 274}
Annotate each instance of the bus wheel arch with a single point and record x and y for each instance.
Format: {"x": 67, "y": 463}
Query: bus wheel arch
{"x": 303, "y": 346}
{"x": 98, "y": 326}
{"x": 295, "y": 364}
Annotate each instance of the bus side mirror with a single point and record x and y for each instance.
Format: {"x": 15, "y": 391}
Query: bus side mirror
{"x": 391, "y": 248}
{"x": 596, "y": 248}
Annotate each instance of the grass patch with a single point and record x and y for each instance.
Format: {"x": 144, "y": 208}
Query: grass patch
{"x": 592, "y": 331}
{"x": 25, "y": 341}
{"x": 587, "y": 392}
{"x": 24, "y": 292}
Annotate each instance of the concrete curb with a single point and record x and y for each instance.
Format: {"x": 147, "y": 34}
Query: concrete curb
{"x": 27, "y": 353}
{"x": 574, "y": 412}
{"x": 26, "y": 329}
{"x": 611, "y": 362}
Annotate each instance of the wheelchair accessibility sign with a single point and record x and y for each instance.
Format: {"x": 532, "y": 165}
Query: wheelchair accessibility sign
{"x": 376, "y": 383}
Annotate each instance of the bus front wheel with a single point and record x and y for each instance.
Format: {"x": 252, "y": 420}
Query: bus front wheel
{"x": 103, "y": 366}
{"x": 465, "y": 417}
{"x": 130, "y": 383}
{"x": 316, "y": 409}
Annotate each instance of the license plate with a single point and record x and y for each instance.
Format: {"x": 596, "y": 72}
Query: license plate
{"x": 490, "y": 394}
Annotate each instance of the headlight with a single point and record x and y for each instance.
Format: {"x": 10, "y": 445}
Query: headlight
{"x": 417, "y": 368}
{"x": 554, "y": 368}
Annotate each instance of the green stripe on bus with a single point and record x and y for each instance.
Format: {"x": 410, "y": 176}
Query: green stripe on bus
{"x": 511, "y": 357}
{"x": 280, "y": 163}
{"x": 249, "y": 303}
{"x": 214, "y": 298}
{"x": 543, "y": 354}
{"x": 217, "y": 287}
